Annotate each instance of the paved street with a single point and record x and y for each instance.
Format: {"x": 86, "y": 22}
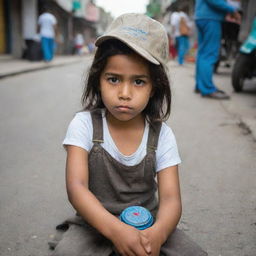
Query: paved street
{"x": 218, "y": 168}
{"x": 217, "y": 173}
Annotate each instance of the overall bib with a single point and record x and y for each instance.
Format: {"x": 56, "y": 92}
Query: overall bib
{"x": 118, "y": 186}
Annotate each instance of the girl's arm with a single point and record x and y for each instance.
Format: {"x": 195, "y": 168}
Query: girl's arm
{"x": 169, "y": 212}
{"x": 126, "y": 239}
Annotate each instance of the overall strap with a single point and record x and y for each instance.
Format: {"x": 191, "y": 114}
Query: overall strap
{"x": 153, "y": 135}
{"x": 97, "y": 124}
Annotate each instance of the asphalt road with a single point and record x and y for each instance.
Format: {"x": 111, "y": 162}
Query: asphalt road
{"x": 217, "y": 172}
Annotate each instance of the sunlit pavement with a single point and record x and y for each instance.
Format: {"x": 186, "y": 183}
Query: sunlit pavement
{"x": 241, "y": 107}
{"x": 218, "y": 151}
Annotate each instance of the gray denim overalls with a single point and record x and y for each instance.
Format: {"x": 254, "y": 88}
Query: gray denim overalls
{"x": 118, "y": 186}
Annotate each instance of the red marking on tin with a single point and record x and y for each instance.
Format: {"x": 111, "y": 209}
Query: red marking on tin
{"x": 136, "y": 213}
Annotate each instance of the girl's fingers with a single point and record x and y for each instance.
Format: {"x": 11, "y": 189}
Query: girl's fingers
{"x": 146, "y": 243}
{"x": 129, "y": 254}
{"x": 135, "y": 252}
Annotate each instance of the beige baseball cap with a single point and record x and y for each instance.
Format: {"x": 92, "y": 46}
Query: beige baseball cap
{"x": 144, "y": 35}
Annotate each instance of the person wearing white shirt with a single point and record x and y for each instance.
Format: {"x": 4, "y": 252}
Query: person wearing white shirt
{"x": 182, "y": 40}
{"x": 47, "y": 25}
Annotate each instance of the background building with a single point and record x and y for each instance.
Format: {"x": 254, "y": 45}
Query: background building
{"x": 18, "y": 23}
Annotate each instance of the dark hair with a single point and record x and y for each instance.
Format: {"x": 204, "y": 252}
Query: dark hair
{"x": 159, "y": 105}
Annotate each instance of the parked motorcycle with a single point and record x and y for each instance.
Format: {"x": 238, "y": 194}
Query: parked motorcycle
{"x": 245, "y": 63}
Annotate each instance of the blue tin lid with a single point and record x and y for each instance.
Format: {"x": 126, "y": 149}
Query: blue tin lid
{"x": 137, "y": 216}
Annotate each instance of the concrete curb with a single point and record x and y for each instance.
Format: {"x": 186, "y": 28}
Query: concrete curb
{"x": 25, "y": 67}
{"x": 18, "y": 72}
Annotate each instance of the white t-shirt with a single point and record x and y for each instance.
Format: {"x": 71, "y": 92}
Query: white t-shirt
{"x": 80, "y": 133}
{"x": 175, "y": 22}
{"x": 235, "y": 3}
{"x": 47, "y": 22}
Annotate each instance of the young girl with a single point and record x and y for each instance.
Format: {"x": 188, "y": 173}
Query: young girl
{"x": 118, "y": 145}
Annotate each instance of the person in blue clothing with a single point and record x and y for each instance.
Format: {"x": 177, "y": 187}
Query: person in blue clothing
{"x": 208, "y": 17}
{"x": 47, "y": 25}
{"x": 181, "y": 35}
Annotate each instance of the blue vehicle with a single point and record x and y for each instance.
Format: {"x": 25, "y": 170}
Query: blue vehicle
{"x": 245, "y": 64}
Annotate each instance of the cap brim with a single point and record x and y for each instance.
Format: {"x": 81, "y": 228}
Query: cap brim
{"x": 133, "y": 46}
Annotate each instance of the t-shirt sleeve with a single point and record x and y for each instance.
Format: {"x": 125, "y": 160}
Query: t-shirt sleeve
{"x": 79, "y": 131}
{"x": 174, "y": 19}
{"x": 54, "y": 20}
{"x": 167, "y": 151}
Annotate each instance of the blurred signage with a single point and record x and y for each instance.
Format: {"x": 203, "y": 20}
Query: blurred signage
{"x": 92, "y": 12}
{"x": 153, "y": 9}
{"x": 66, "y": 5}
{"x": 76, "y": 5}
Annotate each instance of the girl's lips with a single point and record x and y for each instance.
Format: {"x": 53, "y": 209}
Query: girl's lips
{"x": 123, "y": 108}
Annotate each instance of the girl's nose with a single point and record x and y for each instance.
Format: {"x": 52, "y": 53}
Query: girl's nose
{"x": 125, "y": 91}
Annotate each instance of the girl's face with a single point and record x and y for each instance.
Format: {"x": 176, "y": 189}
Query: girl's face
{"x": 125, "y": 86}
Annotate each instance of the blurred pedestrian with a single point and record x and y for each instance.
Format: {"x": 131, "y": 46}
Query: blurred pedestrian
{"x": 230, "y": 32}
{"x": 79, "y": 43}
{"x": 47, "y": 24}
{"x": 119, "y": 144}
{"x": 167, "y": 24}
{"x": 229, "y": 40}
{"x": 172, "y": 47}
{"x": 181, "y": 27}
{"x": 91, "y": 45}
{"x": 209, "y": 15}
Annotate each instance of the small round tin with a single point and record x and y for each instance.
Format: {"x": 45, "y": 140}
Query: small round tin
{"x": 137, "y": 216}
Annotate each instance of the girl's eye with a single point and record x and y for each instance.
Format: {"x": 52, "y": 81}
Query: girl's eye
{"x": 139, "y": 82}
{"x": 113, "y": 80}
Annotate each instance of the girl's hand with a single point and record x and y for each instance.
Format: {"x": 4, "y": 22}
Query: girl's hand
{"x": 131, "y": 242}
{"x": 155, "y": 238}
